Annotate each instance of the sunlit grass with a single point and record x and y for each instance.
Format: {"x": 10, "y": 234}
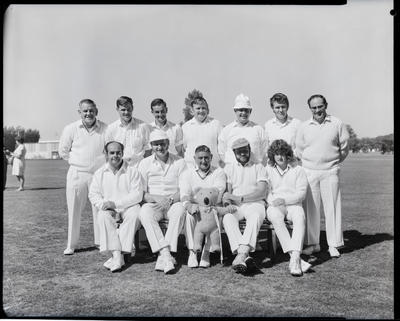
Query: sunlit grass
{"x": 38, "y": 280}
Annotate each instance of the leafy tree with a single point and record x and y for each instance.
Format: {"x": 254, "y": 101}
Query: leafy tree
{"x": 10, "y": 133}
{"x": 354, "y": 142}
{"x": 32, "y": 136}
{"x": 187, "y": 110}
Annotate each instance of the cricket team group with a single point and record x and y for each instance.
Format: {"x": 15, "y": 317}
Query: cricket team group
{"x": 136, "y": 174}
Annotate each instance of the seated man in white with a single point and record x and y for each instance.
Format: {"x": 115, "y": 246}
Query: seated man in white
{"x": 288, "y": 187}
{"x": 203, "y": 175}
{"x": 116, "y": 191}
{"x": 160, "y": 174}
{"x": 247, "y": 189}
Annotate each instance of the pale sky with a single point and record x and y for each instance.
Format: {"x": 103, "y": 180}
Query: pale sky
{"x": 56, "y": 55}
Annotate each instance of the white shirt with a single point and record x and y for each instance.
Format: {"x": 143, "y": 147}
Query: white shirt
{"x": 174, "y": 133}
{"x": 274, "y": 129}
{"x": 124, "y": 188}
{"x": 161, "y": 178}
{"x": 192, "y": 180}
{"x": 244, "y": 179}
{"x": 322, "y": 146}
{"x": 134, "y": 137}
{"x": 205, "y": 133}
{"x": 83, "y": 149}
{"x": 290, "y": 184}
{"x": 254, "y": 133}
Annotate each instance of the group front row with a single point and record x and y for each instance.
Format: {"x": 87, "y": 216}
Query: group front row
{"x": 162, "y": 186}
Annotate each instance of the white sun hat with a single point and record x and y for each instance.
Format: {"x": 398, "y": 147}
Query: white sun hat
{"x": 242, "y": 101}
{"x": 157, "y": 135}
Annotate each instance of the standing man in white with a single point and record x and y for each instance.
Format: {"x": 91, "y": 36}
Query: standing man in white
{"x": 201, "y": 130}
{"x": 161, "y": 173}
{"x": 81, "y": 144}
{"x": 243, "y": 127}
{"x": 282, "y": 126}
{"x": 131, "y": 132}
{"x": 116, "y": 190}
{"x": 174, "y": 132}
{"x": 322, "y": 144}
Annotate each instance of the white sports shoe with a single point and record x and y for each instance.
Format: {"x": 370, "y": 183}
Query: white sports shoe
{"x": 168, "y": 265}
{"x": 333, "y": 252}
{"x": 305, "y": 266}
{"x": 107, "y": 264}
{"x": 69, "y": 251}
{"x": 205, "y": 259}
{"x": 160, "y": 263}
{"x": 294, "y": 266}
{"x": 192, "y": 260}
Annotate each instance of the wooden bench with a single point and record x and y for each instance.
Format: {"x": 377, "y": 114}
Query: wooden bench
{"x": 266, "y": 228}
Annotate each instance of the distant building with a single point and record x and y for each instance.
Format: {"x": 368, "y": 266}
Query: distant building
{"x": 46, "y": 149}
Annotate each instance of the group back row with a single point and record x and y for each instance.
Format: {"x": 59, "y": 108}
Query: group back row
{"x": 203, "y": 129}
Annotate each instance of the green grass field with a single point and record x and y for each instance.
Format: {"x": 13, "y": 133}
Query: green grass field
{"x": 39, "y": 281}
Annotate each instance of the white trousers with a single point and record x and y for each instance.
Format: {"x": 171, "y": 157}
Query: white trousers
{"x": 122, "y": 239}
{"x": 77, "y": 191}
{"x": 150, "y": 217}
{"x": 254, "y": 214}
{"x": 295, "y": 214}
{"x": 323, "y": 185}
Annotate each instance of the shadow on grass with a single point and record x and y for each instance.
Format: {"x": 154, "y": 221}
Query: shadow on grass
{"x": 353, "y": 241}
{"x": 87, "y": 249}
{"x": 43, "y": 188}
{"x": 33, "y": 188}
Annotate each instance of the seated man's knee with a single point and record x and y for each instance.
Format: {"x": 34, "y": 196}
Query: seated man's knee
{"x": 146, "y": 211}
{"x": 176, "y": 211}
{"x": 132, "y": 213}
{"x": 103, "y": 216}
{"x": 274, "y": 215}
{"x": 229, "y": 217}
{"x": 298, "y": 216}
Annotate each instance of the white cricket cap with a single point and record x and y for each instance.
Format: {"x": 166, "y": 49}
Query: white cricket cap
{"x": 242, "y": 101}
{"x": 157, "y": 135}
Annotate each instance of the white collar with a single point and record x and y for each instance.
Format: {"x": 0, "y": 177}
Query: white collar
{"x": 327, "y": 118}
{"x": 250, "y": 123}
{"x": 288, "y": 120}
{"x": 122, "y": 169}
{"x": 282, "y": 172}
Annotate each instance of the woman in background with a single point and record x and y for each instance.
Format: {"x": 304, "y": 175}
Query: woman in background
{"x": 18, "y": 167}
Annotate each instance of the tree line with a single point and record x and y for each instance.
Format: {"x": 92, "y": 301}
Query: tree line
{"x": 383, "y": 144}
{"x": 10, "y": 133}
